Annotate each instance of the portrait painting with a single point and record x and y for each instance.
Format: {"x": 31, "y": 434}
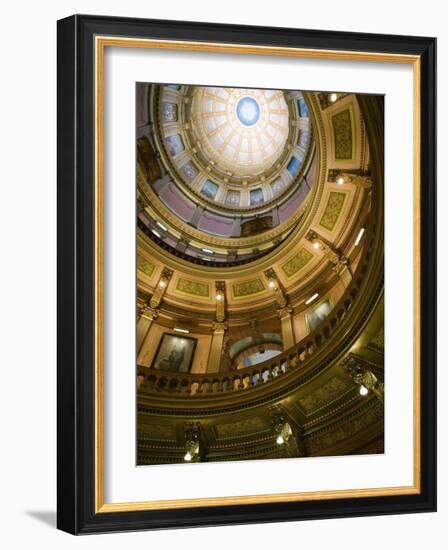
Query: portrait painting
{"x": 318, "y": 314}
{"x": 175, "y": 353}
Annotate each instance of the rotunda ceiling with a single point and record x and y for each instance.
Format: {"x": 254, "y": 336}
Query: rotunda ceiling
{"x": 233, "y": 170}
{"x": 243, "y": 132}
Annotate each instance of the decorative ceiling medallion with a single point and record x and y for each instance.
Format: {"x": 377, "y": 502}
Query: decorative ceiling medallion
{"x": 248, "y": 111}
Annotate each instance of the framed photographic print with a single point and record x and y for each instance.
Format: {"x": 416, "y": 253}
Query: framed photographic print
{"x": 246, "y": 267}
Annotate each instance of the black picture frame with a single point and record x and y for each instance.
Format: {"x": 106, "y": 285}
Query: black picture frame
{"x": 166, "y": 335}
{"x": 76, "y": 480}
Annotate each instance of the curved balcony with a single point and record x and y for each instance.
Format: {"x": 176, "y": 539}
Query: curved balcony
{"x": 271, "y": 379}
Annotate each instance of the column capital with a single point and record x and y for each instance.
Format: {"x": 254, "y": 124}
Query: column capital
{"x": 285, "y": 311}
{"x": 149, "y": 312}
{"x": 334, "y": 255}
{"x": 219, "y": 327}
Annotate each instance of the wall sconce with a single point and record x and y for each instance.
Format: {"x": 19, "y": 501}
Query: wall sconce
{"x": 365, "y": 379}
{"x": 194, "y": 443}
{"x": 192, "y": 452}
{"x": 284, "y": 432}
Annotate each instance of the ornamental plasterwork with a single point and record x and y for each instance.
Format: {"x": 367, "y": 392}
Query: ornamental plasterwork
{"x": 242, "y": 130}
{"x": 155, "y": 204}
{"x": 343, "y": 136}
{"x": 324, "y": 394}
{"x": 333, "y": 210}
{"x": 157, "y": 431}
{"x": 297, "y": 262}
{"x": 247, "y": 288}
{"x": 250, "y": 425}
{"x": 341, "y": 433}
{"x": 195, "y": 288}
{"x": 145, "y": 266}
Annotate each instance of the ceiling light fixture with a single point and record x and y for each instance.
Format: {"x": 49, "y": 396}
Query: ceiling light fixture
{"x": 182, "y": 330}
{"x": 312, "y": 298}
{"x": 333, "y": 97}
{"x": 359, "y": 237}
{"x": 340, "y": 180}
{"x": 162, "y": 226}
{"x": 162, "y": 284}
{"x": 271, "y": 283}
{"x": 156, "y": 233}
{"x": 219, "y": 297}
{"x": 188, "y": 457}
{"x": 316, "y": 245}
{"x": 207, "y": 251}
{"x": 280, "y": 440}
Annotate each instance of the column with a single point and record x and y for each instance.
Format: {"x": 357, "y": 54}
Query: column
{"x": 287, "y": 329}
{"x": 196, "y": 216}
{"x": 236, "y": 228}
{"x": 275, "y": 216}
{"x": 214, "y": 358}
{"x": 143, "y": 325}
{"x": 346, "y": 276}
{"x": 143, "y": 329}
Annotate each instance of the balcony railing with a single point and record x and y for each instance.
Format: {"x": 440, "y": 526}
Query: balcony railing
{"x": 361, "y": 294}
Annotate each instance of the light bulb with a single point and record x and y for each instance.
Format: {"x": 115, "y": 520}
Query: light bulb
{"x": 280, "y": 440}
{"x": 340, "y": 180}
{"x": 188, "y": 457}
{"x": 359, "y": 237}
{"x": 271, "y": 284}
{"x": 363, "y": 390}
{"x": 219, "y": 297}
{"x": 316, "y": 245}
{"x": 333, "y": 97}
{"x": 162, "y": 284}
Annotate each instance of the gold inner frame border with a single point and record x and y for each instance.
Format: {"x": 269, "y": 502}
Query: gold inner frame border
{"x": 100, "y": 44}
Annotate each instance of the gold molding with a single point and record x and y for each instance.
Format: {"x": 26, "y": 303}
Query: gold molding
{"x": 101, "y": 42}
{"x": 255, "y": 499}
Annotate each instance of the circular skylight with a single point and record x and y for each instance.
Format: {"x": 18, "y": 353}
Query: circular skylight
{"x": 241, "y": 131}
{"x": 248, "y": 111}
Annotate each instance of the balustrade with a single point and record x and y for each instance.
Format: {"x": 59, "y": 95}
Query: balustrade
{"x": 155, "y": 381}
